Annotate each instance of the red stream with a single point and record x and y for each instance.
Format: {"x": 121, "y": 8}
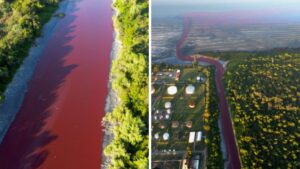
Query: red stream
{"x": 59, "y": 123}
{"x": 232, "y": 155}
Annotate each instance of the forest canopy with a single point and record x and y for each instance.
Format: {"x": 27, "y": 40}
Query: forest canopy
{"x": 264, "y": 96}
{"x": 129, "y": 120}
{"x": 20, "y": 23}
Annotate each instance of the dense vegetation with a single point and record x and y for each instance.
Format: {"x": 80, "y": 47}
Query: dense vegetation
{"x": 20, "y": 23}
{"x": 129, "y": 120}
{"x": 215, "y": 159}
{"x": 264, "y": 95}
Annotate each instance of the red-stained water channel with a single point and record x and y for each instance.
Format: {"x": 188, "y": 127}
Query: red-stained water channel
{"x": 232, "y": 154}
{"x": 59, "y": 123}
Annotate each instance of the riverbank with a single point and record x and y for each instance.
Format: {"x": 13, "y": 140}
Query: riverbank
{"x": 112, "y": 98}
{"x": 18, "y": 34}
{"x": 129, "y": 120}
{"x": 17, "y": 88}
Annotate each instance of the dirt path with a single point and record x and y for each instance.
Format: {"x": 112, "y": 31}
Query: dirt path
{"x": 232, "y": 155}
{"x": 59, "y": 123}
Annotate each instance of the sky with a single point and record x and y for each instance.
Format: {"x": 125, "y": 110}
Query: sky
{"x": 171, "y": 8}
{"x": 270, "y": 2}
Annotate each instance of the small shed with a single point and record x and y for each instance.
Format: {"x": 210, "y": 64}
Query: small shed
{"x": 162, "y": 126}
{"x": 175, "y": 124}
{"x": 192, "y": 104}
{"x": 152, "y": 90}
{"x": 189, "y": 124}
{"x": 200, "y": 79}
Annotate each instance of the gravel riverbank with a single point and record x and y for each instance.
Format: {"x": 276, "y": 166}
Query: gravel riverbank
{"x": 16, "y": 90}
{"x": 112, "y": 98}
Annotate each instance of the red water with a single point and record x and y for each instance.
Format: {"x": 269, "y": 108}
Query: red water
{"x": 59, "y": 123}
{"x": 232, "y": 154}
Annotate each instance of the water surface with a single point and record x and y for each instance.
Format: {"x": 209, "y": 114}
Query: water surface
{"x": 59, "y": 123}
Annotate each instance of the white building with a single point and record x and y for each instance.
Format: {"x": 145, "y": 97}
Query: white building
{"x": 199, "y": 136}
{"x": 166, "y": 136}
{"x": 168, "y": 105}
{"x": 190, "y": 89}
{"x": 167, "y": 117}
{"x": 172, "y": 90}
{"x": 192, "y": 137}
{"x": 200, "y": 79}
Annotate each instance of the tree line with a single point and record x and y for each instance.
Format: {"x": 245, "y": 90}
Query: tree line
{"x": 129, "y": 120}
{"x": 20, "y": 23}
{"x": 211, "y": 117}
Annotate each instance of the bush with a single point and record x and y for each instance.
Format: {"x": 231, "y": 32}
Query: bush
{"x": 129, "y": 120}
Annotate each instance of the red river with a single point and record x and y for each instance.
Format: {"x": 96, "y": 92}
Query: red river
{"x": 59, "y": 123}
{"x": 232, "y": 154}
